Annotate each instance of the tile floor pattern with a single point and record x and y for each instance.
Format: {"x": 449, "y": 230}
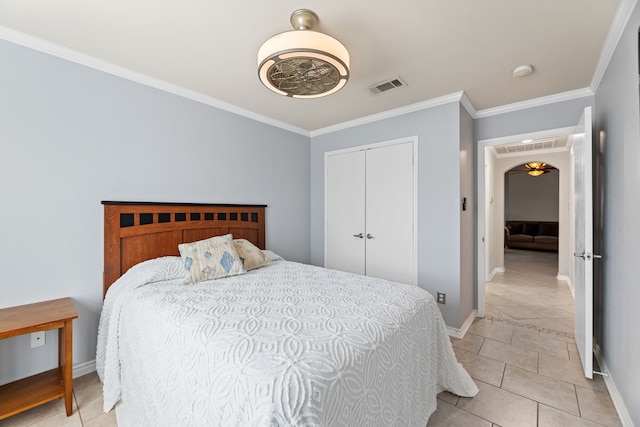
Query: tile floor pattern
{"x": 87, "y": 409}
{"x": 522, "y": 356}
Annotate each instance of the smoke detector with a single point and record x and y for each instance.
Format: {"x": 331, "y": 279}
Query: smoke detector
{"x": 522, "y": 70}
{"x": 387, "y": 85}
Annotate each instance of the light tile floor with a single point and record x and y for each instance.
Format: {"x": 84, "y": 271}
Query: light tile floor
{"x": 522, "y": 356}
{"x": 87, "y": 409}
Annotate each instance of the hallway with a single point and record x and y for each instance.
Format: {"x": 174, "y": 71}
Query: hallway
{"x": 523, "y": 356}
{"x": 529, "y": 294}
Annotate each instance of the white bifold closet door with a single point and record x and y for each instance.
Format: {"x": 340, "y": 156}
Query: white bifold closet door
{"x": 370, "y": 212}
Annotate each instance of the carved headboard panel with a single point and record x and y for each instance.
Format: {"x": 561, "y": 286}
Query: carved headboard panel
{"x": 138, "y": 231}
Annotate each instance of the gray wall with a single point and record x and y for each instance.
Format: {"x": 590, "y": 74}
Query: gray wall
{"x": 552, "y": 116}
{"x": 71, "y": 136}
{"x": 532, "y": 198}
{"x": 617, "y": 114}
{"x": 468, "y": 258}
{"x": 439, "y": 185}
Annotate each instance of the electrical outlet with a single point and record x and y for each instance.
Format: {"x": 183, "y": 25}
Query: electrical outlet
{"x": 441, "y": 297}
{"x": 37, "y": 339}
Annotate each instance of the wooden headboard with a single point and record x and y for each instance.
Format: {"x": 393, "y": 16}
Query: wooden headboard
{"x": 139, "y": 231}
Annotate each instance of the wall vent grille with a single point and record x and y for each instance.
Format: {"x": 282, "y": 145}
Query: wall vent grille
{"x": 386, "y": 86}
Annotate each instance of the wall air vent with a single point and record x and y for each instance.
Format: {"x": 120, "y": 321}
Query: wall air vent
{"x": 387, "y": 85}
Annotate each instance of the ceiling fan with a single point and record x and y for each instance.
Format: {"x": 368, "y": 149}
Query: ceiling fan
{"x": 533, "y": 168}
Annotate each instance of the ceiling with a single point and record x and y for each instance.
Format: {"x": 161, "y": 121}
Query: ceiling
{"x": 206, "y": 49}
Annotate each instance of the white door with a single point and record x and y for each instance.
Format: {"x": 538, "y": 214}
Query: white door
{"x": 583, "y": 241}
{"x": 389, "y": 213}
{"x": 345, "y": 212}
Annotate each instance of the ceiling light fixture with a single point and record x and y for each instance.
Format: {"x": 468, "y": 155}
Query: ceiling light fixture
{"x": 522, "y": 70}
{"x": 536, "y": 168}
{"x": 303, "y": 63}
{"x": 535, "y": 165}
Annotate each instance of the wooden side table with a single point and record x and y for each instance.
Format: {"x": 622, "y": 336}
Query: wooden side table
{"x": 57, "y": 383}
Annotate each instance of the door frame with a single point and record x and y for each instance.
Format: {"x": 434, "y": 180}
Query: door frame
{"x": 481, "y": 277}
{"x": 414, "y": 141}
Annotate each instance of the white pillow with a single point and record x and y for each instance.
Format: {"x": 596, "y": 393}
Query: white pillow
{"x": 272, "y": 255}
{"x": 250, "y": 255}
{"x": 210, "y": 259}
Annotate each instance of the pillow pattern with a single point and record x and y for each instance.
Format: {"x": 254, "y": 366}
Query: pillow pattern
{"x": 210, "y": 259}
{"x": 250, "y": 255}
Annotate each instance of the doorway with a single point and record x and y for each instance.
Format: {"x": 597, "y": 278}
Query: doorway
{"x": 527, "y": 291}
{"x": 575, "y": 244}
{"x": 497, "y": 156}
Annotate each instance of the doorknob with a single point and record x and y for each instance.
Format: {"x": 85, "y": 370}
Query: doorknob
{"x": 360, "y": 236}
{"x": 586, "y": 255}
{"x": 369, "y": 236}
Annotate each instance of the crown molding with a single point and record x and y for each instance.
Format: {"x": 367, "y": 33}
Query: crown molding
{"x": 466, "y": 103}
{"x": 620, "y": 21}
{"x": 434, "y": 102}
{"x": 618, "y": 25}
{"x": 535, "y": 102}
{"x": 62, "y": 52}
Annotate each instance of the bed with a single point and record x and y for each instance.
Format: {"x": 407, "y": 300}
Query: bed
{"x": 282, "y": 344}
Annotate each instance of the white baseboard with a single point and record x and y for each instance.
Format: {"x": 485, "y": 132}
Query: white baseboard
{"x": 494, "y": 272}
{"x": 625, "y": 418}
{"x": 84, "y": 369}
{"x": 567, "y": 279}
{"x": 459, "y": 333}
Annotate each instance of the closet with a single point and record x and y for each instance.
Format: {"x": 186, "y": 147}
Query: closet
{"x": 370, "y": 210}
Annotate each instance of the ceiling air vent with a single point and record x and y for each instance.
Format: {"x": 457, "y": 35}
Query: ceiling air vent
{"x": 388, "y": 85}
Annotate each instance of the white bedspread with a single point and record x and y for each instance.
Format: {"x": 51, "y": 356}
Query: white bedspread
{"x": 284, "y": 345}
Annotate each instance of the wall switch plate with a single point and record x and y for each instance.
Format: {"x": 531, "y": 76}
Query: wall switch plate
{"x": 441, "y": 297}
{"x": 37, "y": 339}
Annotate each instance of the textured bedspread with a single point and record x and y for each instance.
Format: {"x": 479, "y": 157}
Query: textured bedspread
{"x": 284, "y": 345}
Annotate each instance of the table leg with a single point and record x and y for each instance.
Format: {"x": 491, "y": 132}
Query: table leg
{"x": 65, "y": 361}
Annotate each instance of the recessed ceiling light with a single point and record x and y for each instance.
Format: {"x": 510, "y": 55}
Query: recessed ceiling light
{"x": 522, "y": 70}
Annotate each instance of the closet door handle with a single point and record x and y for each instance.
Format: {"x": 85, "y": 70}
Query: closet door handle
{"x": 369, "y": 236}
{"x": 360, "y": 235}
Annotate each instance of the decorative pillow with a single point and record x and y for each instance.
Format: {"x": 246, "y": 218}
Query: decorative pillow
{"x": 210, "y": 259}
{"x": 250, "y": 255}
